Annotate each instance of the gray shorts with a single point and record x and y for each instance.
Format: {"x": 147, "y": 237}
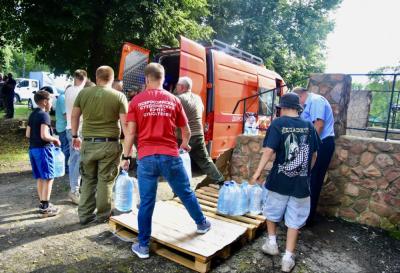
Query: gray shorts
{"x": 295, "y": 210}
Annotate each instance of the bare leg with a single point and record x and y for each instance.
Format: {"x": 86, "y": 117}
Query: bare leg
{"x": 291, "y": 239}
{"x": 40, "y": 188}
{"x": 271, "y": 228}
{"x": 46, "y": 190}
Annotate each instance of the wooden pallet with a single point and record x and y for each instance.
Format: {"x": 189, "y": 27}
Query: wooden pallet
{"x": 208, "y": 199}
{"x": 174, "y": 235}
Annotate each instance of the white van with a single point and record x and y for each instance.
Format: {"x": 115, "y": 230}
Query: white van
{"x": 24, "y": 89}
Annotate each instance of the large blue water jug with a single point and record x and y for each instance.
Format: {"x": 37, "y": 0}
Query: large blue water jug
{"x": 59, "y": 162}
{"x": 124, "y": 192}
{"x": 239, "y": 197}
{"x": 186, "y": 163}
{"x": 224, "y": 200}
{"x": 255, "y": 199}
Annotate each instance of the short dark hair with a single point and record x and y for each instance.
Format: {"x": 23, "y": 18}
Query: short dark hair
{"x": 154, "y": 71}
{"x": 41, "y": 95}
{"x": 80, "y": 74}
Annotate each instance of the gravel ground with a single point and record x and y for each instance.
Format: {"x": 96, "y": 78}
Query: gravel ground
{"x": 60, "y": 244}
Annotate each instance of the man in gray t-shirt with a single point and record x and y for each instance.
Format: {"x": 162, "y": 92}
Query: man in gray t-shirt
{"x": 194, "y": 108}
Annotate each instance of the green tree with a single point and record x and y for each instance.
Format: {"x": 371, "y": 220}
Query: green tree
{"x": 381, "y": 87}
{"x": 87, "y": 34}
{"x": 288, "y": 34}
{"x": 19, "y": 62}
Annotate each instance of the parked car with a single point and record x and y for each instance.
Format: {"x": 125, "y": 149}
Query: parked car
{"x": 52, "y": 90}
{"x": 24, "y": 89}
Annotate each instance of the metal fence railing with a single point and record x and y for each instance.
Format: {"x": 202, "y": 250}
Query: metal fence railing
{"x": 384, "y": 108}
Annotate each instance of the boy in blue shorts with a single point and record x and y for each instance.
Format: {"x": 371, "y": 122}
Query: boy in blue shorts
{"x": 41, "y": 151}
{"x": 295, "y": 143}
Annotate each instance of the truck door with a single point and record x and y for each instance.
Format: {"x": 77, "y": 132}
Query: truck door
{"x": 131, "y": 66}
{"x": 193, "y": 64}
{"x": 23, "y": 90}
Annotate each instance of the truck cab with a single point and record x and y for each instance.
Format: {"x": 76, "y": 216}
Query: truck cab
{"x": 24, "y": 89}
{"x": 222, "y": 76}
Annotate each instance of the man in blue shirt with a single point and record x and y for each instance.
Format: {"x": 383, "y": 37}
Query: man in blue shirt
{"x": 61, "y": 125}
{"x": 318, "y": 111}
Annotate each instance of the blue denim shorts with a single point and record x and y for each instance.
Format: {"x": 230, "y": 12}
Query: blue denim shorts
{"x": 42, "y": 161}
{"x": 295, "y": 210}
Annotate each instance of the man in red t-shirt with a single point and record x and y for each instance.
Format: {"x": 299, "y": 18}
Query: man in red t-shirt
{"x": 153, "y": 116}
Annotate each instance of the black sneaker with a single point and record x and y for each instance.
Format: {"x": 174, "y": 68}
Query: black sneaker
{"x": 41, "y": 208}
{"x": 50, "y": 211}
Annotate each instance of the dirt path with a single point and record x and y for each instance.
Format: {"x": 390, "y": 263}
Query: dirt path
{"x": 60, "y": 244}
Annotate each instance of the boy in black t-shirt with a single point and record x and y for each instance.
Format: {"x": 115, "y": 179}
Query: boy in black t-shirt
{"x": 41, "y": 151}
{"x": 295, "y": 142}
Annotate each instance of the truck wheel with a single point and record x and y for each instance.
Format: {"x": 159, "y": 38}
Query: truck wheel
{"x": 30, "y": 105}
{"x": 16, "y": 99}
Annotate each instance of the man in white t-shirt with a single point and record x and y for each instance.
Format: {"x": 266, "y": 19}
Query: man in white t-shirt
{"x": 80, "y": 78}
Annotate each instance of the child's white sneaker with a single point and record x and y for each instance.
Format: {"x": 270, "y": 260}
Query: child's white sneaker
{"x": 270, "y": 249}
{"x": 287, "y": 263}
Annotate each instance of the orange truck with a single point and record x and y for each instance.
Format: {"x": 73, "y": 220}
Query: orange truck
{"x": 223, "y": 76}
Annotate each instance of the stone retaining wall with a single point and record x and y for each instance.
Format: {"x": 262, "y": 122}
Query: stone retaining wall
{"x": 362, "y": 185}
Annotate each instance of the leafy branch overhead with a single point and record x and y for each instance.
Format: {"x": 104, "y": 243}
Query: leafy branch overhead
{"x": 288, "y": 34}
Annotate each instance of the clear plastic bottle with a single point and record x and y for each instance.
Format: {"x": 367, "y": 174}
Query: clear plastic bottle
{"x": 223, "y": 199}
{"x": 123, "y": 192}
{"x": 59, "y": 162}
{"x": 255, "y": 199}
{"x": 186, "y": 162}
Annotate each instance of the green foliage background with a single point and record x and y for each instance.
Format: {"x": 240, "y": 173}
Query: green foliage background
{"x": 67, "y": 34}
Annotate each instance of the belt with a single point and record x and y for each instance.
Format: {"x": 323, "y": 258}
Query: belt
{"x": 101, "y": 139}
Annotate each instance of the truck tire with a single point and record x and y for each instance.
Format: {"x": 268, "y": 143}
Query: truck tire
{"x": 30, "y": 104}
{"x": 16, "y": 99}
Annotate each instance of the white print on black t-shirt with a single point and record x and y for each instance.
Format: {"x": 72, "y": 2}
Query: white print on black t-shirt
{"x": 296, "y": 154}
{"x": 157, "y": 108}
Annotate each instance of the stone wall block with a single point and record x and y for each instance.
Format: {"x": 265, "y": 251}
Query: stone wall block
{"x": 353, "y": 161}
{"x": 357, "y": 148}
{"x": 372, "y": 148}
{"x": 345, "y": 170}
{"x": 381, "y": 208}
{"x": 359, "y": 171}
{"x": 372, "y": 171}
{"x": 346, "y": 201}
{"x": 384, "y": 160}
{"x": 360, "y": 205}
{"x": 238, "y": 160}
{"x": 396, "y": 157}
{"x": 391, "y": 174}
{"x": 383, "y": 146}
{"x": 243, "y": 139}
{"x": 255, "y": 146}
{"x": 366, "y": 159}
{"x": 368, "y": 184}
{"x": 395, "y": 218}
{"x": 370, "y": 218}
{"x": 351, "y": 190}
{"x": 348, "y": 213}
{"x": 364, "y": 193}
{"x": 382, "y": 183}
{"x": 245, "y": 150}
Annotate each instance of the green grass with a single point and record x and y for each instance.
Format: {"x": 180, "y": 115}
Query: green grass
{"x": 395, "y": 234}
{"x": 21, "y": 111}
{"x": 13, "y": 150}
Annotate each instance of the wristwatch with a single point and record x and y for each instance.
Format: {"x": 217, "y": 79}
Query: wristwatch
{"x": 75, "y": 136}
{"x": 126, "y": 157}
